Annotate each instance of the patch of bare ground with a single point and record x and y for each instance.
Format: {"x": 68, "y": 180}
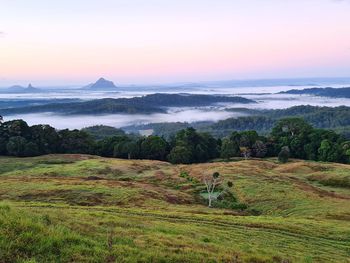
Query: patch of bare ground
{"x": 153, "y": 191}
{"x": 303, "y": 167}
{"x": 167, "y": 195}
{"x": 295, "y": 168}
{"x": 75, "y": 157}
{"x": 245, "y": 168}
{"x": 159, "y": 175}
{"x": 72, "y": 197}
{"x": 135, "y": 166}
{"x": 313, "y": 189}
{"x": 147, "y": 190}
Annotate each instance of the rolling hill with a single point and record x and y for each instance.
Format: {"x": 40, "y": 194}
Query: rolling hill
{"x": 153, "y": 103}
{"x": 323, "y": 92}
{"x": 81, "y": 208}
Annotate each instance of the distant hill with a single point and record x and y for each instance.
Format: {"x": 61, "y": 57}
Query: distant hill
{"x": 155, "y": 103}
{"x": 101, "y": 84}
{"x": 324, "y": 92}
{"x": 21, "y": 89}
{"x": 319, "y": 117}
{"x": 186, "y": 100}
{"x": 16, "y": 103}
{"x": 93, "y": 107}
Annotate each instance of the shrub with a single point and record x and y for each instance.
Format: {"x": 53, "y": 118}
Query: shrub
{"x": 283, "y": 156}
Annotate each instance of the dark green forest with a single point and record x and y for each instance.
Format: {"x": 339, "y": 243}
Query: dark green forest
{"x": 289, "y": 138}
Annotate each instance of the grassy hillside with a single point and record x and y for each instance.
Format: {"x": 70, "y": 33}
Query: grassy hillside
{"x": 77, "y": 208}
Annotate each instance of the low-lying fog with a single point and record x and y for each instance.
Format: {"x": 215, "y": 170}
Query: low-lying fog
{"x": 214, "y": 113}
{"x": 120, "y": 120}
{"x": 128, "y": 92}
{"x": 283, "y": 101}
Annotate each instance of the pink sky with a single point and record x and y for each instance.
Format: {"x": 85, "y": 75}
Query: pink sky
{"x": 166, "y": 41}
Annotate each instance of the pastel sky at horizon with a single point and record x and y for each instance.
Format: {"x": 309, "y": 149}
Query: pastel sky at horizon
{"x": 155, "y": 41}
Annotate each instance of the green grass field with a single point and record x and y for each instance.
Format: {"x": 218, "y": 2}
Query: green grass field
{"x": 77, "y": 208}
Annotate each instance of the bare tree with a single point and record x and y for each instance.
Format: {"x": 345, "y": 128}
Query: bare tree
{"x": 246, "y": 153}
{"x": 211, "y": 183}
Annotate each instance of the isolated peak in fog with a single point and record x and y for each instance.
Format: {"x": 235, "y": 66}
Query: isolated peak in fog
{"x": 101, "y": 84}
{"x": 20, "y": 89}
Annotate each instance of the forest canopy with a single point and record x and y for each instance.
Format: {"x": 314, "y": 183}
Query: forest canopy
{"x": 303, "y": 141}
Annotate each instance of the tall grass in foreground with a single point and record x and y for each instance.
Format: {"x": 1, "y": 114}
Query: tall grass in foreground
{"x": 28, "y": 238}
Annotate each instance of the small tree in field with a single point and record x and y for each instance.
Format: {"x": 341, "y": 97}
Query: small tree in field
{"x": 211, "y": 183}
{"x": 283, "y": 156}
{"x": 246, "y": 153}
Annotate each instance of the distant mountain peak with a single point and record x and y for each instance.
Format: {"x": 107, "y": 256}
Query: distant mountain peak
{"x": 21, "y": 89}
{"x": 30, "y": 86}
{"x": 101, "y": 79}
{"x": 102, "y": 83}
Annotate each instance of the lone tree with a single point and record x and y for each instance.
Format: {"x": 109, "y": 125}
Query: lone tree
{"x": 211, "y": 183}
{"x": 246, "y": 153}
{"x": 283, "y": 156}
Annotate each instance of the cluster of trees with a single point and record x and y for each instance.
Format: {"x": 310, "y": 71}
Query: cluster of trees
{"x": 306, "y": 142}
{"x": 189, "y": 146}
{"x": 18, "y": 139}
{"x": 319, "y": 117}
{"x": 289, "y": 137}
{"x": 247, "y": 144}
{"x": 261, "y": 124}
{"x": 100, "y": 132}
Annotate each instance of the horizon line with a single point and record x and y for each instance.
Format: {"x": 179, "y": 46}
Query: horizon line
{"x": 179, "y": 82}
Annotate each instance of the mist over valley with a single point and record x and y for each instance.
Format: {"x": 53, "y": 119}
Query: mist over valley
{"x": 52, "y": 106}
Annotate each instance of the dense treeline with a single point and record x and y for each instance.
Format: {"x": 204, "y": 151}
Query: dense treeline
{"x": 320, "y": 117}
{"x": 290, "y": 137}
{"x": 99, "y": 132}
{"x": 18, "y": 139}
{"x": 263, "y": 121}
{"x": 166, "y": 129}
{"x": 262, "y": 124}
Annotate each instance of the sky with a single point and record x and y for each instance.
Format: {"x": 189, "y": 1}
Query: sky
{"x": 161, "y": 41}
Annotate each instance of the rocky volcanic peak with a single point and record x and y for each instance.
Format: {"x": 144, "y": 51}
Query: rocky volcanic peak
{"x": 102, "y": 84}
